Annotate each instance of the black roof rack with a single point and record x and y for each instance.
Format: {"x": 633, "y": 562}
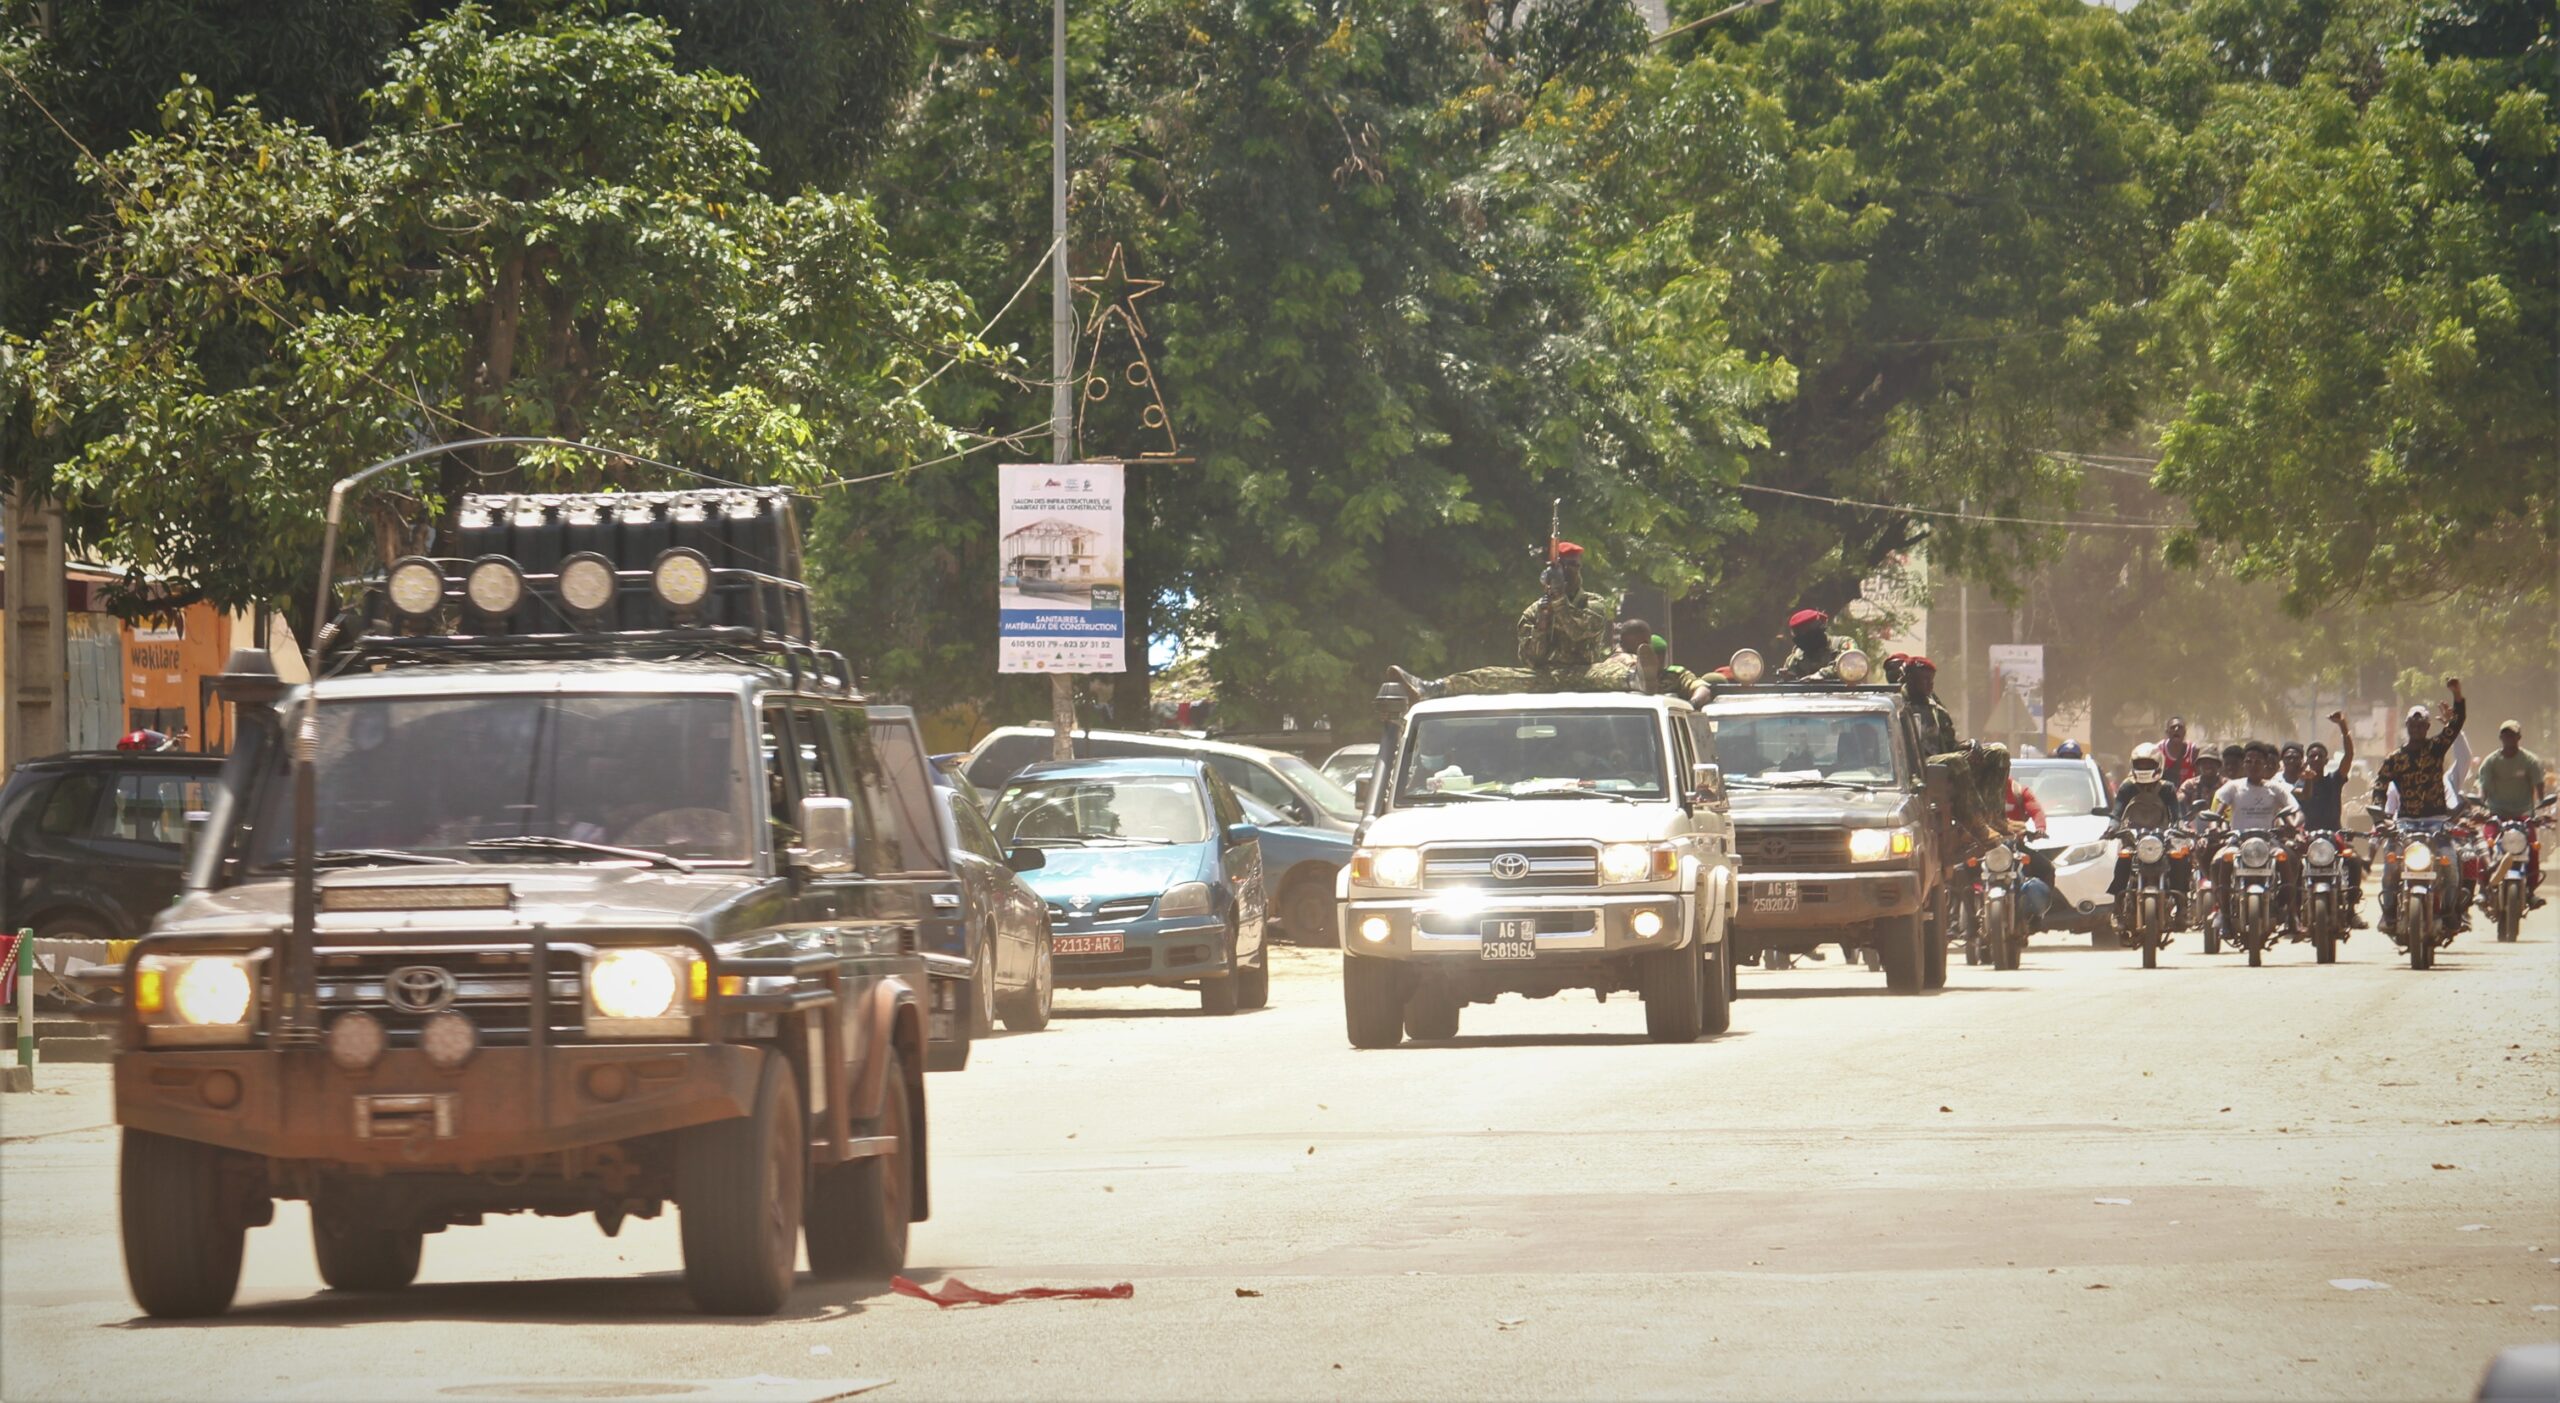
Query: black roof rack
{"x": 1728, "y": 690}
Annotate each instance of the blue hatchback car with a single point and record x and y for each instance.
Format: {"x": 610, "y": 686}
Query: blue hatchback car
{"x": 1152, "y": 873}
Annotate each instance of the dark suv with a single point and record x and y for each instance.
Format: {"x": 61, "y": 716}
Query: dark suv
{"x": 90, "y": 842}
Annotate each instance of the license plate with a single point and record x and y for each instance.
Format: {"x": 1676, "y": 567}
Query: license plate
{"x": 1110, "y": 944}
{"x": 1510, "y": 940}
{"x": 1774, "y": 896}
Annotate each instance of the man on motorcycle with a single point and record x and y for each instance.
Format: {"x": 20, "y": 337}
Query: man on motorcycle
{"x": 2294, "y": 770}
{"x": 2417, "y": 772}
{"x": 2146, "y": 800}
{"x": 2257, "y": 800}
{"x": 2511, "y": 785}
{"x": 2197, "y": 792}
{"x": 2323, "y": 792}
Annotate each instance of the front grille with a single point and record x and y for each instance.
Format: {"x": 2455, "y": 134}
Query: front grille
{"x": 1547, "y": 922}
{"x": 1125, "y": 909}
{"x": 493, "y": 988}
{"x": 1135, "y": 962}
{"x": 1539, "y": 866}
{"x": 1792, "y": 846}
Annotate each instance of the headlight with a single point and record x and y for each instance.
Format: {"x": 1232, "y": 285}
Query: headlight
{"x": 1625, "y": 862}
{"x": 636, "y": 986}
{"x": 1189, "y": 899}
{"x": 1998, "y": 860}
{"x": 2512, "y": 842}
{"x": 1869, "y": 844}
{"x": 1853, "y": 665}
{"x": 586, "y": 583}
{"x": 1747, "y": 665}
{"x": 2322, "y": 852}
{"x": 2086, "y": 852}
{"x": 1645, "y": 924}
{"x": 681, "y": 578}
{"x": 212, "y": 990}
{"x": 2149, "y": 848}
{"x": 1387, "y": 867}
{"x": 2256, "y": 852}
{"x": 2418, "y": 857}
{"x": 415, "y": 587}
{"x": 494, "y": 586}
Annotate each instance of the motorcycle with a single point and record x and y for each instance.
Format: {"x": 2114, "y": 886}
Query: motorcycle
{"x": 1998, "y": 927}
{"x": 2253, "y": 894}
{"x": 2423, "y": 879}
{"x": 2505, "y": 890}
{"x": 2150, "y": 895}
{"x": 2210, "y": 917}
{"x": 2326, "y": 893}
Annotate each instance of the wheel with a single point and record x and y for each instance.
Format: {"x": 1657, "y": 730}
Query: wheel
{"x": 1732, "y": 969}
{"x": 1897, "y": 942}
{"x": 182, "y": 1235}
{"x": 356, "y": 1256}
{"x": 1223, "y": 994}
{"x": 738, "y": 1188}
{"x": 1933, "y": 944}
{"x": 1028, "y": 1011}
{"x": 2418, "y": 926}
{"x": 2150, "y": 952}
{"x": 2212, "y": 937}
{"x": 859, "y": 1212}
{"x": 1431, "y": 1015}
{"x": 2510, "y": 912}
{"x": 982, "y": 986}
{"x": 2324, "y": 946}
{"x": 1372, "y": 1001}
{"x": 1306, "y": 913}
{"x": 1669, "y": 982}
{"x": 1715, "y": 1006}
{"x": 1253, "y": 981}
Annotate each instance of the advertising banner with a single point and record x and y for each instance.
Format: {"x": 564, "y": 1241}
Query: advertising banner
{"x": 2017, "y": 669}
{"x": 1058, "y": 605}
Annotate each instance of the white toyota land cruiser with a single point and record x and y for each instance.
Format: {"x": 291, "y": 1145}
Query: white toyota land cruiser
{"x": 1532, "y": 843}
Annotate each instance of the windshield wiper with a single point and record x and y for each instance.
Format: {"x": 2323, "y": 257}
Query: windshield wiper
{"x": 1575, "y": 794}
{"x": 1820, "y": 784}
{"x": 1445, "y": 796}
{"x": 363, "y": 857}
{"x": 536, "y": 842}
{"x": 1125, "y": 838}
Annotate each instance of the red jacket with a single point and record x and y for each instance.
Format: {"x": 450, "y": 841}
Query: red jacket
{"x": 2023, "y": 807}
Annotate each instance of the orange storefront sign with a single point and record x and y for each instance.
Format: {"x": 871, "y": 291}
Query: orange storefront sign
{"x": 168, "y": 661}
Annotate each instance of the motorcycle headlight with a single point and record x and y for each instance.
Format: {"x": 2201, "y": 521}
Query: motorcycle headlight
{"x": 634, "y": 993}
{"x": 1387, "y": 867}
{"x": 2418, "y": 857}
{"x": 1189, "y": 899}
{"x": 1999, "y": 860}
{"x": 2256, "y": 852}
{"x": 2149, "y": 848}
{"x": 2323, "y": 852}
{"x": 2512, "y": 842}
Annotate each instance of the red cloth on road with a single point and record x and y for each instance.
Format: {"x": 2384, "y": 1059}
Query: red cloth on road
{"x": 956, "y": 1292}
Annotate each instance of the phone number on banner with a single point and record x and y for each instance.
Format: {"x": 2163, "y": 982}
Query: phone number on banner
{"x": 1059, "y": 655}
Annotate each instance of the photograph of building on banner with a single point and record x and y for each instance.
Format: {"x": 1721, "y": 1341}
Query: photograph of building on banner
{"x": 1059, "y": 603}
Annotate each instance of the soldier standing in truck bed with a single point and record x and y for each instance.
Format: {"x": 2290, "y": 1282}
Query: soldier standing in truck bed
{"x": 1564, "y": 644}
{"x": 1817, "y": 654}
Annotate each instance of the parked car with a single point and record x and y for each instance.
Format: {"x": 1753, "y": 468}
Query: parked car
{"x": 1351, "y": 764}
{"x": 91, "y": 842}
{"x": 913, "y": 825}
{"x": 1301, "y": 861}
{"x": 1152, "y": 874}
{"x": 2076, "y": 819}
{"x": 1005, "y": 922}
{"x": 948, "y": 772}
{"x": 1302, "y": 893}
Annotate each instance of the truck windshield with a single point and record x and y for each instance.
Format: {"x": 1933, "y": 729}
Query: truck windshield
{"x": 1772, "y": 749}
{"x": 1520, "y": 755}
{"x": 429, "y": 776}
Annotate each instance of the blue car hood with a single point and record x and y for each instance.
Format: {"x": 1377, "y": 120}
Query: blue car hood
{"x": 1102, "y": 873}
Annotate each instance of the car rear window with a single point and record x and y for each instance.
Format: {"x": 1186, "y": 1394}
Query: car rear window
{"x": 1005, "y": 757}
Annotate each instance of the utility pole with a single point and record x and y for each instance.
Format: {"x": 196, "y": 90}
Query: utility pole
{"x": 1062, "y": 339}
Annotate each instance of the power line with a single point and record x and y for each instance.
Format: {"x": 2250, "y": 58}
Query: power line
{"x": 2092, "y": 524}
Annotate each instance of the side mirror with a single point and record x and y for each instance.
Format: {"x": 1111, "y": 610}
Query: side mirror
{"x": 826, "y": 836}
{"x": 1026, "y": 859}
{"x": 1364, "y": 786}
{"x": 1707, "y": 781}
{"x": 1242, "y": 832}
{"x": 193, "y": 838}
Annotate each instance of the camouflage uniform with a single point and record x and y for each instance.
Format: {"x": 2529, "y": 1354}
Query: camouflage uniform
{"x": 1816, "y": 665}
{"x": 1979, "y": 795}
{"x": 1564, "y": 647}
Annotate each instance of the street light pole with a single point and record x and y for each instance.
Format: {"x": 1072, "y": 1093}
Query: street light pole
{"x": 1062, "y": 338}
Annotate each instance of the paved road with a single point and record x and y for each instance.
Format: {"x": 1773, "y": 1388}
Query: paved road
{"x": 2076, "y": 1179}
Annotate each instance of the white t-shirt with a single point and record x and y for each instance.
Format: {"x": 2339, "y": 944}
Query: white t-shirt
{"x": 2255, "y": 805}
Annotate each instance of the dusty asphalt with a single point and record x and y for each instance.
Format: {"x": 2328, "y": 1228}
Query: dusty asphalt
{"x": 2078, "y": 1180}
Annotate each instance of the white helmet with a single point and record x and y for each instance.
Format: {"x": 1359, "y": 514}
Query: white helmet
{"x": 2146, "y": 759}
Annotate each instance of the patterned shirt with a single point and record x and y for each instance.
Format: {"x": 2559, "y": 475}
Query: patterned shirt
{"x": 1937, "y": 726}
{"x": 1573, "y": 633}
{"x": 2418, "y": 769}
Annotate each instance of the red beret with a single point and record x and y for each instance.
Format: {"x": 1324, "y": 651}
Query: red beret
{"x": 1567, "y": 550}
{"x": 1808, "y": 616}
{"x": 1910, "y": 663}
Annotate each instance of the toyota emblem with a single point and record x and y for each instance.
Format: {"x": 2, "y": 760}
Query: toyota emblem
{"x": 1511, "y": 867}
{"x": 419, "y": 989}
{"x": 1773, "y": 847}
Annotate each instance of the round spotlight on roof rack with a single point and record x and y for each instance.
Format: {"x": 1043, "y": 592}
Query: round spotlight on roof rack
{"x": 682, "y": 579}
{"x": 586, "y": 584}
{"x": 495, "y": 586}
{"x": 1854, "y": 666}
{"x": 1747, "y": 665}
{"x": 415, "y": 587}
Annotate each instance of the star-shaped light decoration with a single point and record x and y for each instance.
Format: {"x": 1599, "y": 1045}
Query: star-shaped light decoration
{"x": 1113, "y": 290}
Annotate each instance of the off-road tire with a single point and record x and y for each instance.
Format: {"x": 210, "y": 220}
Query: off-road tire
{"x": 1933, "y": 943}
{"x": 355, "y": 1256}
{"x": 1670, "y": 982}
{"x": 859, "y": 1212}
{"x": 182, "y": 1238}
{"x": 1307, "y": 914}
{"x": 1372, "y": 1001}
{"x": 1715, "y": 1005}
{"x": 1897, "y": 942}
{"x": 1028, "y": 1011}
{"x": 738, "y": 1194}
{"x": 1253, "y": 981}
{"x": 1431, "y": 1015}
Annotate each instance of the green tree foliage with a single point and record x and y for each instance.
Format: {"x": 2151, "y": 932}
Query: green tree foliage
{"x": 548, "y": 229}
